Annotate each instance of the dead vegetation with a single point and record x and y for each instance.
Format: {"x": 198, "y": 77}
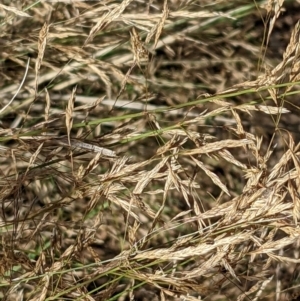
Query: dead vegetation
{"x": 149, "y": 150}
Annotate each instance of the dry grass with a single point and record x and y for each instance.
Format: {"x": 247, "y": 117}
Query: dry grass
{"x": 149, "y": 150}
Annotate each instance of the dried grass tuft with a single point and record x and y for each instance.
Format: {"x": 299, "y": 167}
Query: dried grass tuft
{"x": 149, "y": 151}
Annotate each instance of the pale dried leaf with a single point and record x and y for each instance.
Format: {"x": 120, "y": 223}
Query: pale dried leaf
{"x": 48, "y": 104}
{"x": 107, "y": 18}
{"x": 69, "y": 114}
{"x": 42, "y": 42}
{"x": 14, "y": 10}
{"x": 215, "y": 146}
{"x": 157, "y": 29}
{"x": 226, "y": 155}
{"x": 147, "y": 178}
{"x": 46, "y": 280}
{"x": 34, "y": 156}
{"x": 277, "y": 10}
{"x": 212, "y": 176}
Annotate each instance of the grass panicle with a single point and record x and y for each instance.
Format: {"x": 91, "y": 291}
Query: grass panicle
{"x": 149, "y": 150}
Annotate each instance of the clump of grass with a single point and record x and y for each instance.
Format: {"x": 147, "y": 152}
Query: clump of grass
{"x": 151, "y": 151}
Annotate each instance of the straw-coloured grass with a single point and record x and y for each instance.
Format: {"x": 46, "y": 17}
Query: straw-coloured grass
{"x": 149, "y": 150}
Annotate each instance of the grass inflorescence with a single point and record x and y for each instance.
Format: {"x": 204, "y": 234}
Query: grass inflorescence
{"x": 149, "y": 150}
